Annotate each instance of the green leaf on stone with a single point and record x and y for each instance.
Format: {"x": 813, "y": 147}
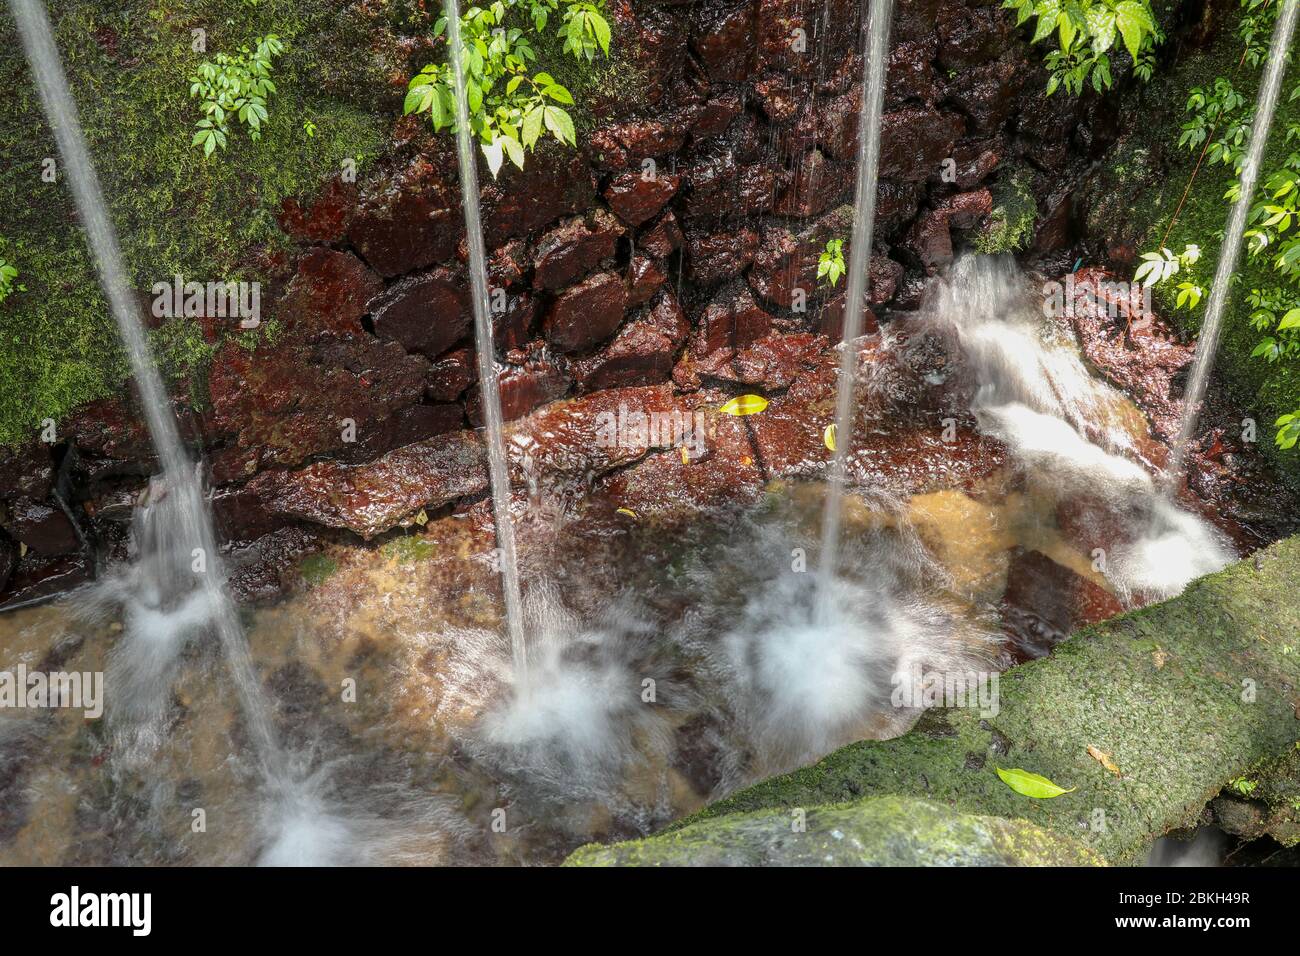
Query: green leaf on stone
{"x": 1031, "y": 784}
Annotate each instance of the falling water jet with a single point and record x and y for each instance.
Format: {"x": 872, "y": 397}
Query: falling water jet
{"x": 498, "y": 473}
{"x": 189, "y": 524}
{"x": 1208, "y": 342}
{"x": 875, "y": 59}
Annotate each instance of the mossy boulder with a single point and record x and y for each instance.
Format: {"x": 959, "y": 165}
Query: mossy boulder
{"x": 879, "y": 831}
{"x": 1181, "y": 697}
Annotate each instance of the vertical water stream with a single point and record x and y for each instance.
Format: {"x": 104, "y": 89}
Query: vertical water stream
{"x": 875, "y": 60}
{"x": 184, "y": 529}
{"x": 498, "y": 471}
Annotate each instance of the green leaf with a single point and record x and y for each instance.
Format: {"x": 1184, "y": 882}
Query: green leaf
{"x": 560, "y": 123}
{"x": 1045, "y": 27}
{"x": 1101, "y": 26}
{"x": 1290, "y": 321}
{"x": 532, "y": 126}
{"x": 495, "y": 156}
{"x": 1132, "y": 22}
{"x": 513, "y": 150}
{"x": 744, "y": 405}
{"x": 1031, "y": 784}
{"x": 1065, "y": 27}
{"x": 601, "y": 28}
{"x": 559, "y": 94}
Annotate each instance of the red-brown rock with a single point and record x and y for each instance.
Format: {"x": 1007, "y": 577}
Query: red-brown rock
{"x": 574, "y": 248}
{"x": 636, "y": 197}
{"x": 328, "y": 294}
{"x": 450, "y": 375}
{"x": 720, "y": 187}
{"x": 522, "y": 388}
{"x": 42, "y": 527}
{"x": 915, "y": 140}
{"x": 371, "y": 498}
{"x": 555, "y": 182}
{"x": 714, "y": 256}
{"x": 724, "y": 41}
{"x": 971, "y": 36}
{"x": 643, "y": 351}
{"x": 427, "y": 313}
{"x": 663, "y": 238}
{"x": 587, "y": 313}
{"x": 410, "y": 219}
{"x": 818, "y": 184}
{"x": 325, "y": 218}
{"x": 645, "y": 276}
{"x": 280, "y": 404}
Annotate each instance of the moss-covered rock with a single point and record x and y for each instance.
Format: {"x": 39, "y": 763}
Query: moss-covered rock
{"x": 1182, "y": 697}
{"x": 1264, "y": 800}
{"x": 177, "y": 213}
{"x": 879, "y": 831}
{"x": 1010, "y": 226}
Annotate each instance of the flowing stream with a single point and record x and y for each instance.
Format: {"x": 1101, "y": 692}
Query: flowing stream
{"x": 1269, "y": 90}
{"x": 498, "y": 470}
{"x": 180, "y": 529}
{"x": 875, "y": 61}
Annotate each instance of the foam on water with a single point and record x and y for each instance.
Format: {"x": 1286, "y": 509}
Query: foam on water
{"x": 805, "y": 667}
{"x": 304, "y": 829}
{"x": 1172, "y": 548}
{"x": 338, "y": 814}
{"x": 576, "y": 721}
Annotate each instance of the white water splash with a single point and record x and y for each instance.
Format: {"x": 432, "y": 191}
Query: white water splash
{"x": 1034, "y": 394}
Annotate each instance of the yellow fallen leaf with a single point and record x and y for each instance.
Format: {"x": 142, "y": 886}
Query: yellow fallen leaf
{"x": 828, "y": 436}
{"x": 422, "y": 519}
{"x": 746, "y": 461}
{"x": 744, "y": 405}
{"x": 1158, "y": 657}
{"x": 1031, "y": 784}
{"x": 686, "y": 458}
{"x": 1103, "y": 758}
{"x": 627, "y": 511}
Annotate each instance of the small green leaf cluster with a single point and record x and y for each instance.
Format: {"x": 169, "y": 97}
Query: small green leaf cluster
{"x": 1087, "y": 31}
{"x": 238, "y": 86}
{"x": 9, "y": 283}
{"x": 830, "y": 262}
{"x": 510, "y": 106}
{"x": 1159, "y": 267}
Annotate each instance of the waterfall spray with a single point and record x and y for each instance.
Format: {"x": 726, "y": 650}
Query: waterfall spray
{"x": 875, "y": 59}
{"x": 498, "y": 471}
{"x": 190, "y": 532}
{"x": 1209, "y": 338}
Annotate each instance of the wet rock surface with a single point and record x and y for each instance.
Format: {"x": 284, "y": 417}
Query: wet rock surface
{"x": 679, "y": 244}
{"x": 374, "y": 497}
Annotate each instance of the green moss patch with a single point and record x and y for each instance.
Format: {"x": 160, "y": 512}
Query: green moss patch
{"x": 129, "y": 63}
{"x": 1010, "y": 225}
{"x": 880, "y": 831}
